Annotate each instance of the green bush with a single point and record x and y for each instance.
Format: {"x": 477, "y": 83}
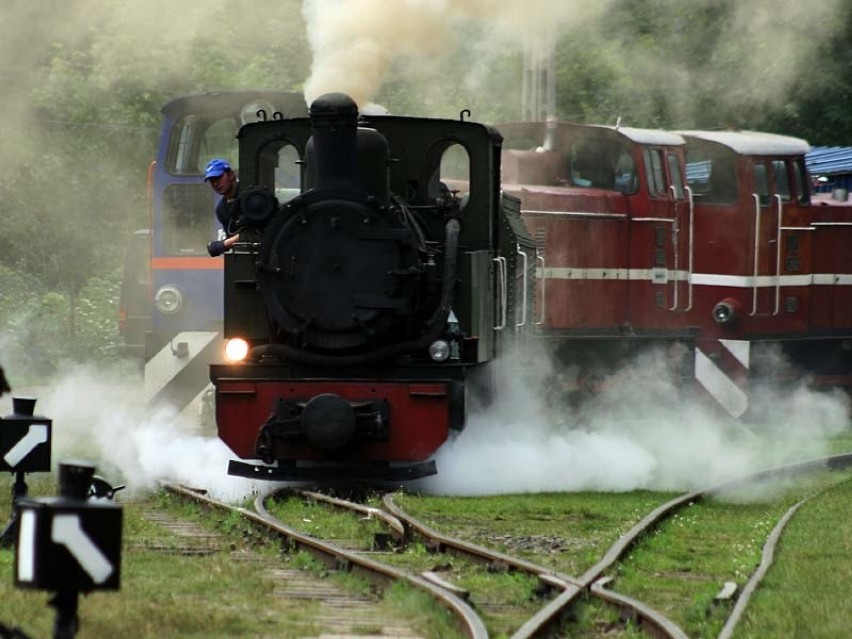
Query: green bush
{"x": 39, "y": 328}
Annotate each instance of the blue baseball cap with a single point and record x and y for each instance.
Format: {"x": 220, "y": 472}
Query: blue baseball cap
{"x": 215, "y": 168}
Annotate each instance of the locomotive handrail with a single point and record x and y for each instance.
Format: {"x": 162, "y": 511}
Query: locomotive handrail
{"x": 501, "y": 279}
{"x": 543, "y": 286}
{"x": 691, "y": 201}
{"x": 523, "y": 287}
{"x": 756, "y": 198}
{"x": 675, "y": 247}
{"x": 780, "y": 201}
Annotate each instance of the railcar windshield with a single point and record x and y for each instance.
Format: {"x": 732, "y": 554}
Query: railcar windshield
{"x": 195, "y": 140}
{"x": 710, "y": 173}
{"x": 592, "y": 159}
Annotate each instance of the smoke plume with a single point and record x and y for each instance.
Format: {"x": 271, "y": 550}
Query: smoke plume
{"x": 355, "y": 42}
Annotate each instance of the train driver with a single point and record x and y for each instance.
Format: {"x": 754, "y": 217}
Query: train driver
{"x": 224, "y": 181}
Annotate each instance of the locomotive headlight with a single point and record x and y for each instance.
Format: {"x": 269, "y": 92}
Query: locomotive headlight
{"x": 236, "y": 350}
{"x": 439, "y": 350}
{"x": 726, "y": 312}
{"x": 168, "y": 299}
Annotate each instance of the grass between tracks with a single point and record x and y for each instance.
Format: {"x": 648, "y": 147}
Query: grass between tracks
{"x": 169, "y": 592}
{"x": 806, "y": 594}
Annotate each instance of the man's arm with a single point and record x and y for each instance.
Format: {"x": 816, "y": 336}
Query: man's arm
{"x": 217, "y": 247}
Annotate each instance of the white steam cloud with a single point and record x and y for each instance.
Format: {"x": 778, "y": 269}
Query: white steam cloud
{"x": 638, "y": 435}
{"x": 99, "y": 416}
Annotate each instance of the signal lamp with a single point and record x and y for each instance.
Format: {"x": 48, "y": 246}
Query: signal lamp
{"x": 439, "y": 350}
{"x": 236, "y": 349}
{"x": 168, "y": 299}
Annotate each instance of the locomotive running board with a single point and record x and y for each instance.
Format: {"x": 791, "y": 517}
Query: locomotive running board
{"x": 333, "y": 473}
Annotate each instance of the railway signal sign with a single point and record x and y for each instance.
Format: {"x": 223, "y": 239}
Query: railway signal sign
{"x": 25, "y": 443}
{"x": 69, "y": 543}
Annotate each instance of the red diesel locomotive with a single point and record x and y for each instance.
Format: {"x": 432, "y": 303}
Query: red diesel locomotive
{"x": 708, "y": 239}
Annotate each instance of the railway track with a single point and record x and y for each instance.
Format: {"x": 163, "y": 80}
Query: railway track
{"x": 473, "y": 613}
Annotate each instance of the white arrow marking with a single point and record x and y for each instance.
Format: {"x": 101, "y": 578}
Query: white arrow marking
{"x": 67, "y": 531}
{"x": 37, "y": 434}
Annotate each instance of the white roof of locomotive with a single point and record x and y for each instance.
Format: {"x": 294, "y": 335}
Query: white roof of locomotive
{"x": 753, "y": 142}
{"x": 645, "y": 136}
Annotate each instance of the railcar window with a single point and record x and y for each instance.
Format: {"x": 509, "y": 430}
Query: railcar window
{"x": 288, "y": 174}
{"x": 675, "y": 172}
{"x": 196, "y": 141}
{"x": 655, "y": 175}
{"x": 711, "y": 175}
{"x": 603, "y": 164}
{"x": 761, "y": 183}
{"x": 187, "y": 219}
{"x": 782, "y": 182}
{"x": 219, "y": 141}
{"x": 800, "y": 175}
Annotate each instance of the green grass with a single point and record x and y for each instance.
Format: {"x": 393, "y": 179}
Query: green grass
{"x": 680, "y": 568}
{"x": 568, "y": 532}
{"x": 320, "y": 520}
{"x": 806, "y": 593}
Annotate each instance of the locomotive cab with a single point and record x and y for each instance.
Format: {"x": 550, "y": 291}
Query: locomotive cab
{"x": 368, "y": 300}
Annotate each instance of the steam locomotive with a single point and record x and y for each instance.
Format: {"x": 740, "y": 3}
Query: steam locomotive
{"x": 705, "y": 244}
{"x": 380, "y": 272}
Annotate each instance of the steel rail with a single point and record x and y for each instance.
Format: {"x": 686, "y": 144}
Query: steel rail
{"x": 653, "y": 623}
{"x": 493, "y": 558}
{"x": 571, "y": 588}
{"x": 337, "y": 558}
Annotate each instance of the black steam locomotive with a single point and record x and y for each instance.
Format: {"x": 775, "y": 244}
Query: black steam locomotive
{"x": 380, "y": 272}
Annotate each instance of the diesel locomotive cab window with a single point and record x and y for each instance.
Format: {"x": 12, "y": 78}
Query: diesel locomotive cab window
{"x": 602, "y": 164}
{"x": 195, "y": 141}
{"x": 711, "y": 175}
{"x": 782, "y": 183}
{"x": 800, "y": 176}
{"x": 761, "y": 183}
{"x": 674, "y": 171}
{"x": 654, "y": 172}
{"x": 188, "y": 219}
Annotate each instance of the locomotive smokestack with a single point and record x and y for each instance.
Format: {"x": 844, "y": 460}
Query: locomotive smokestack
{"x": 332, "y": 149}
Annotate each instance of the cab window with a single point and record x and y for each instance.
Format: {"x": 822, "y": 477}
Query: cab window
{"x": 288, "y": 174}
{"x": 711, "y": 174}
{"x": 675, "y": 173}
{"x": 453, "y": 174}
{"x": 800, "y": 177}
{"x": 195, "y": 141}
{"x": 188, "y": 220}
{"x": 655, "y": 176}
{"x": 782, "y": 183}
{"x": 761, "y": 183}
{"x": 602, "y": 164}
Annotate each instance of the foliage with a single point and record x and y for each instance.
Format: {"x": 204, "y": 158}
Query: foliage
{"x": 34, "y": 331}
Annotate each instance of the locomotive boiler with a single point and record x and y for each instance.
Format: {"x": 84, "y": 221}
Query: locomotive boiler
{"x": 380, "y": 272}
